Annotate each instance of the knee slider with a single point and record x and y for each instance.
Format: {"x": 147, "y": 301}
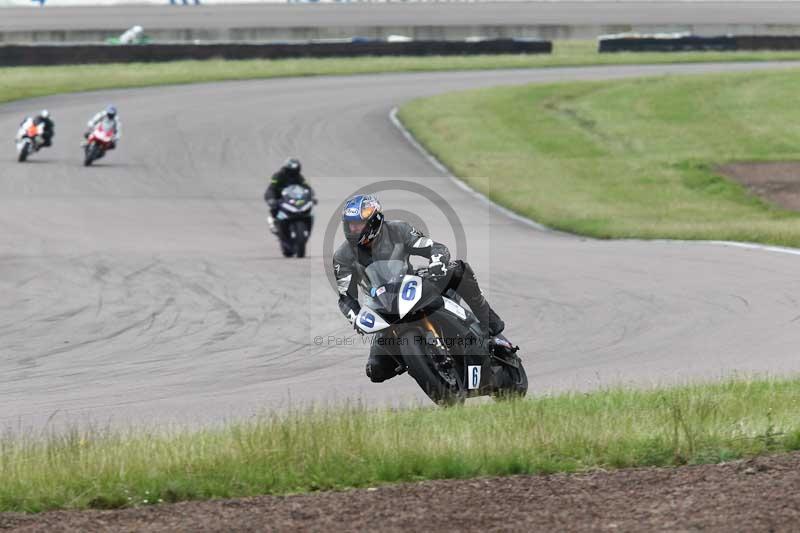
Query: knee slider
{"x": 374, "y": 374}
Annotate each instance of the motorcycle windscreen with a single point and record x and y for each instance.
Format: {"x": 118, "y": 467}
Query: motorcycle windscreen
{"x": 386, "y": 277}
{"x": 387, "y": 296}
{"x": 295, "y": 192}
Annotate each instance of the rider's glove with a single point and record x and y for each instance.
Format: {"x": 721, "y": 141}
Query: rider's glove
{"x": 436, "y": 268}
{"x": 352, "y": 316}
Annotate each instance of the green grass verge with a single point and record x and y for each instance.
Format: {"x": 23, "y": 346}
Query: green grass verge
{"x": 28, "y": 82}
{"x": 622, "y": 159}
{"x": 356, "y": 447}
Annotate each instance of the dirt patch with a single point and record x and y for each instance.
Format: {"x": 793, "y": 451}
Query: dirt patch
{"x": 761, "y": 494}
{"x": 777, "y": 182}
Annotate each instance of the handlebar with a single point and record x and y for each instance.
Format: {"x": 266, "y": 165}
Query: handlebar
{"x": 424, "y": 273}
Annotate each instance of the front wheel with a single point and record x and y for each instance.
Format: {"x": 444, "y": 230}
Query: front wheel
{"x": 23, "y": 152}
{"x": 426, "y": 364}
{"x": 92, "y": 153}
{"x": 299, "y": 235}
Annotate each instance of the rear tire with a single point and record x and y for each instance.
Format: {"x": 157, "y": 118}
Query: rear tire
{"x": 420, "y": 368}
{"x": 514, "y": 383}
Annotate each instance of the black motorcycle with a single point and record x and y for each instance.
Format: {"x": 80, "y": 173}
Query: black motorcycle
{"x": 294, "y": 220}
{"x": 439, "y": 342}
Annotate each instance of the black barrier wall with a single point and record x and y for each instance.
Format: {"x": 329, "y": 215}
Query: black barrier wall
{"x": 687, "y": 43}
{"x": 26, "y": 55}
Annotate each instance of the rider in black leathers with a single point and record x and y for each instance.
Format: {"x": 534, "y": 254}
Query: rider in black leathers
{"x": 48, "y": 132}
{"x": 371, "y": 238}
{"x": 288, "y": 174}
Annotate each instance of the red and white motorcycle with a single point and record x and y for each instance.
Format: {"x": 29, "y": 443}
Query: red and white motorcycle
{"x": 29, "y": 139}
{"x": 99, "y": 141}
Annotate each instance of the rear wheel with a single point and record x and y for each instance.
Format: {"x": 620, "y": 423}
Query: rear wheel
{"x": 428, "y": 366}
{"x": 513, "y": 383}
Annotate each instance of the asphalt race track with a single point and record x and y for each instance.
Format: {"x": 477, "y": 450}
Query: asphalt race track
{"x": 401, "y": 14}
{"x": 146, "y": 288}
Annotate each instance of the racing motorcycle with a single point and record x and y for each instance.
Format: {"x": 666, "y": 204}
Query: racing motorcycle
{"x": 99, "y": 140}
{"x": 294, "y": 220}
{"x": 29, "y": 139}
{"x": 439, "y": 342}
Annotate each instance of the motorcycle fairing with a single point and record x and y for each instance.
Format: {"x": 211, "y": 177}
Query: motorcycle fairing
{"x": 369, "y": 321}
{"x": 410, "y": 294}
{"x": 289, "y": 207}
{"x": 454, "y": 308}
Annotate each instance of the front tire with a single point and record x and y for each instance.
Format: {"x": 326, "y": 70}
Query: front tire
{"x": 92, "y": 153}
{"x": 23, "y": 153}
{"x": 420, "y": 367}
{"x": 298, "y": 230}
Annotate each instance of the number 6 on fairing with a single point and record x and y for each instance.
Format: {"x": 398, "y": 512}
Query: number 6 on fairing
{"x": 410, "y": 294}
{"x": 368, "y": 320}
{"x": 410, "y": 290}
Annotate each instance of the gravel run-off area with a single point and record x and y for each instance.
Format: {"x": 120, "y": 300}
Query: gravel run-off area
{"x": 761, "y": 494}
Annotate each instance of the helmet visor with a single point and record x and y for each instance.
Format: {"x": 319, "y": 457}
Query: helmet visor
{"x": 355, "y": 228}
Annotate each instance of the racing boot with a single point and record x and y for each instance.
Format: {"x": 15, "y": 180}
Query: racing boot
{"x": 272, "y": 228}
{"x": 469, "y": 289}
{"x": 490, "y": 321}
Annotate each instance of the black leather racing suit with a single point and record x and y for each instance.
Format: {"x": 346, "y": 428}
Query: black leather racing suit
{"x": 399, "y": 240}
{"x": 48, "y": 131}
{"x": 280, "y": 180}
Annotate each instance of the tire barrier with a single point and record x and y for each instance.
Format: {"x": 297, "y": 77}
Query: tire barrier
{"x": 684, "y": 43}
{"x": 56, "y": 54}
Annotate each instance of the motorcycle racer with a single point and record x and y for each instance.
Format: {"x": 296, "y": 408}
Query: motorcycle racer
{"x": 288, "y": 174}
{"x": 48, "y": 126}
{"x": 109, "y": 113}
{"x": 371, "y": 238}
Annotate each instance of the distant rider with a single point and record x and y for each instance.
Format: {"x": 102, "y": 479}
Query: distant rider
{"x": 109, "y": 113}
{"x": 48, "y": 131}
{"x": 288, "y": 174}
{"x": 371, "y": 238}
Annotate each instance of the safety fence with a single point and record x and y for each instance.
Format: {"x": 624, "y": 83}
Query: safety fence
{"x": 684, "y": 43}
{"x": 56, "y": 54}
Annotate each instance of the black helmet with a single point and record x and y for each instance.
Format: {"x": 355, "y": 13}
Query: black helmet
{"x": 292, "y": 165}
{"x": 362, "y": 218}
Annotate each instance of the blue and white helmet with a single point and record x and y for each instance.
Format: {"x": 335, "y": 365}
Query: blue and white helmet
{"x": 362, "y": 219}
{"x": 111, "y": 111}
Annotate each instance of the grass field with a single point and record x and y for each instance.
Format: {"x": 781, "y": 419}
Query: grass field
{"x": 587, "y": 157}
{"x": 625, "y": 158}
{"x": 28, "y": 82}
{"x": 356, "y": 447}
